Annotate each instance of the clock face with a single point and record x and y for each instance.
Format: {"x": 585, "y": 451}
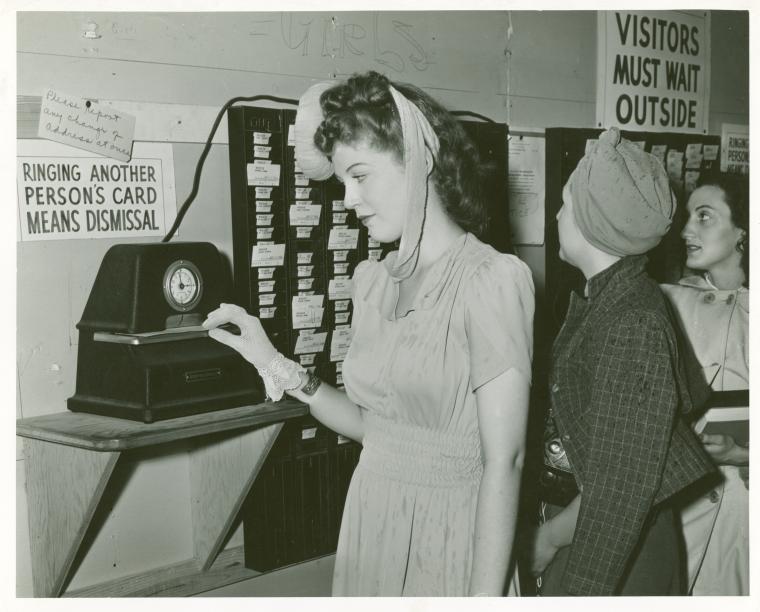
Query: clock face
{"x": 183, "y": 285}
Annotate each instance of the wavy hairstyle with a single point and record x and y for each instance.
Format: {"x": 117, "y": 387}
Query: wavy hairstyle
{"x": 735, "y": 188}
{"x": 362, "y": 109}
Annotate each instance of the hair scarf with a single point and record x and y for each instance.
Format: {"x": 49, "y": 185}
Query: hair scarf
{"x": 417, "y": 135}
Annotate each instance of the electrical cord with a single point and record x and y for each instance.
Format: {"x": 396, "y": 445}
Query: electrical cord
{"x": 463, "y": 113}
{"x": 202, "y": 159}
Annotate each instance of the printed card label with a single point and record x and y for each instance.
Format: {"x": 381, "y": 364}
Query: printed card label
{"x": 343, "y": 238}
{"x": 304, "y": 284}
{"x": 264, "y": 219}
{"x": 307, "y": 311}
{"x": 338, "y": 205}
{"x": 264, "y": 255}
{"x": 304, "y": 258}
{"x": 266, "y": 286}
{"x": 310, "y": 341}
{"x": 267, "y": 313}
{"x": 340, "y": 288}
{"x": 303, "y": 193}
{"x": 340, "y": 218}
{"x": 266, "y": 299}
{"x": 341, "y": 340}
{"x": 694, "y": 155}
{"x": 341, "y": 305}
{"x": 262, "y": 152}
{"x": 711, "y": 152}
{"x": 305, "y": 214}
{"x": 304, "y": 231}
{"x": 304, "y": 271}
{"x": 261, "y": 138}
{"x": 659, "y": 152}
{"x": 266, "y": 273}
{"x": 690, "y": 179}
{"x": 263, "y": 192}
{"x": 263, "y": 172}
{"x": 264, "y": 233}
{"x": 264, "y": 206}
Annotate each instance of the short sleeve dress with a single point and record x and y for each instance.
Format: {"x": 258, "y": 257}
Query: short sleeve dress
{"x": 409, "y": 518}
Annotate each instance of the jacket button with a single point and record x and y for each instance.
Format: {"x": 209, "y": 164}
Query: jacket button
{"x": 709, "y": 298}
{"x": 730, "y": 299}
{"x": 714, "y": 497}
{"x": 555, "y": 388}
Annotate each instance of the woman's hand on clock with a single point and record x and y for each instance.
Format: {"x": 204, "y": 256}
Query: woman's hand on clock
{"x": 252, "y": 342}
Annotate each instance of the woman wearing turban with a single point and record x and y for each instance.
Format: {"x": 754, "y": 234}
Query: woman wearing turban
{"x": 438, "y": 372}
{"x": 618, "y": 386}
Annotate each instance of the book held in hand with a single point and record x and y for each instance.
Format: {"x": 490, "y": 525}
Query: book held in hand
{"x": 727, "y": 414}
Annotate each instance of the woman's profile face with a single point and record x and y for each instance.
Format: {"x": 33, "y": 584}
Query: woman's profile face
{"x": 571, "y": 241}
{"x": 710, "y": 234}
{"x": 375, "y": 184}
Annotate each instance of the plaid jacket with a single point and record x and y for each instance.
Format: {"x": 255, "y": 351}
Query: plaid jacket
{"x": 617, "y": 387}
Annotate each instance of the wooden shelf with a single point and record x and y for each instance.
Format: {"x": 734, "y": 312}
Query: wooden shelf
{"x": 70, "y": 458}
{"x": 101, "y": 433}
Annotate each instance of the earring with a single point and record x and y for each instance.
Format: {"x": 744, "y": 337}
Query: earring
{"x": 742, "y": 244}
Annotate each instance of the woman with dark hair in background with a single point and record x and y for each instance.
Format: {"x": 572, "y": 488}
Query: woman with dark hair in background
{"x": 438, "y": 372}
{"x": 713, "y": 308}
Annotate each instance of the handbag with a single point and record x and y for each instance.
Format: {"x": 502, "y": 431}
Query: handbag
{"x": 556, "y": 482}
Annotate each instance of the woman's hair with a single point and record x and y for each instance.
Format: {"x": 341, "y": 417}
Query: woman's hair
{"x": 362, "y": 109}
{"x": 735, "y": 188}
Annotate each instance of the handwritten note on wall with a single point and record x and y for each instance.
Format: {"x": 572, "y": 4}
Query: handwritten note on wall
{"x": 86, "y": 125}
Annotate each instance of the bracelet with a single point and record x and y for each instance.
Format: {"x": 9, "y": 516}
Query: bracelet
{"x": 311, "y": 385}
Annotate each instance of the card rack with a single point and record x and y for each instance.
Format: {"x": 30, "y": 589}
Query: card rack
{"x": 295, "y": 246}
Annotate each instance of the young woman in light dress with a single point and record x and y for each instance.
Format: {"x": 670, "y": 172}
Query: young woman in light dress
{"x": 438, "y": 373}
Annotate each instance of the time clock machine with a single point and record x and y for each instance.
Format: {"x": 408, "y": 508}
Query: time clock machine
{"x": 143, "y": 354}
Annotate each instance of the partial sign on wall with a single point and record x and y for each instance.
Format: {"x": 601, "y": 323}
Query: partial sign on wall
{"x": 734, "y": 148}
{"x": 66, "y": 193}
{"x": 653, "y": 70}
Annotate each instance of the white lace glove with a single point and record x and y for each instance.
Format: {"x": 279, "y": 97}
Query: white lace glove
{"x": 279, "y": 373}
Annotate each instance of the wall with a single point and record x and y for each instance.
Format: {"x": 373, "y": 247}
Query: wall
{"x": 531, "y": 69}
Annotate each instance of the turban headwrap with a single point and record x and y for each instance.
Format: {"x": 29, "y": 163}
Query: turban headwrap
{"x": 622, "y": 201}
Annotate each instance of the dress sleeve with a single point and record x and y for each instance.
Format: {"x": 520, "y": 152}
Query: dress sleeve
{"x": 500, "y": 301}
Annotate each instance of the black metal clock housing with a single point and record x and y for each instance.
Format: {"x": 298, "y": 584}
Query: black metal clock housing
{"x": 133, "y": 291}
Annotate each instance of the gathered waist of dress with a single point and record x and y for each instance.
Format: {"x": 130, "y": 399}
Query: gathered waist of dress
{"x": 417, "y": 455}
